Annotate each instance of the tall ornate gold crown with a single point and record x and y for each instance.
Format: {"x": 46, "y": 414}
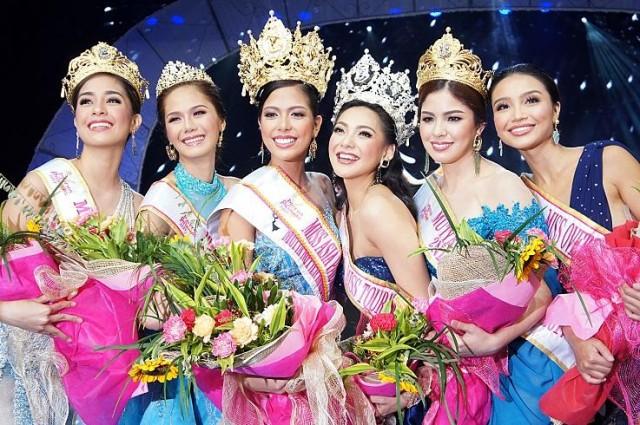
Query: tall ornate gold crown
{"x": 368, "y": 82}
{"x": 447, "y": 59}
{"x": 179, "y": 72}
{"x": 103, "y": 58}
{"x": 280, "y": 55}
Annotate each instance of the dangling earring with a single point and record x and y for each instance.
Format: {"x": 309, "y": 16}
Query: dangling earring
{"x": 220, "y": 137}
{"x": 500, "y": 147}
{"x": 556, "y": 133}
{"x": 261, "y": 152}
{"x": 171, "y": 152}
{"x": 383, "y": 164}
{"x": 313, "y": 148}
{"x": 426, "y": 164}
{"x": 77, "y": 145}
{"x": 133, "y": 144}
{"x": 477, "y": 145}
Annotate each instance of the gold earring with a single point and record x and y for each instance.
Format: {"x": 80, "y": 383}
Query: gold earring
{"x": 477, "y": 145}
{"x": 171, "y": 152}
{"x": 220, "y": 139}
{"x": 313, "y": 149}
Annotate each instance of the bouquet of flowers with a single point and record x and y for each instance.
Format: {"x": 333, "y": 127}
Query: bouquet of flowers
{"x": 391, "y": 348}
{"x": 489, "y": 283}
{"x": 115, "y": 266}
{"x": 597, "y": 270}
{"x": 220, "y": 316}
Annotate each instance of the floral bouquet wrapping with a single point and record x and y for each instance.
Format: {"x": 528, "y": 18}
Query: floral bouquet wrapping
{"x": 595, "y": 310}
{"x": 388, "y": 354}
{"x": 222, "y": 321}
{"x": 116, "y": 265}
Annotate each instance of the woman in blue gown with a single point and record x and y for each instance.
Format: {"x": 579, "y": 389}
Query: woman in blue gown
{"x": 191, "y": 112}
{"x": 378, "y": 228}
{"x": 593, "y": 185}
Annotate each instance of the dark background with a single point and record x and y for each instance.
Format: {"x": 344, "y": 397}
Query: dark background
{"x": 41, "y": 38}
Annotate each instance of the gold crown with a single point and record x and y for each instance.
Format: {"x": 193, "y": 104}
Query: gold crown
{"x": 447, "y": 59}
{"x": 280, "y": 55}
{"x": 179, "y": 72}
{"x": 102, "y": 58}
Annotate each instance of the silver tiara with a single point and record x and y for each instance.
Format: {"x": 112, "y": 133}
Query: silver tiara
{"x": 368, "y": 82}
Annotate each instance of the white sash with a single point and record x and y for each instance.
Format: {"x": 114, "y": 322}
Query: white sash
{"x": 73, "y": 198}
{"x": 368, "y": 293}
{"x": 267, "y": 197}
{"x": 567, "y": 227}
{"x": 166, "y": 201}
{"x": 435, "y": 232}
{"x": 433, "y": 227}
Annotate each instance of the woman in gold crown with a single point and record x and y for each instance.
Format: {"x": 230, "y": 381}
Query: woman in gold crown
{"x": 191, "y": 112}
{"x": 105, "y": 90}
{"x": 452, "y": 114}
{"x": 286, "y": 212}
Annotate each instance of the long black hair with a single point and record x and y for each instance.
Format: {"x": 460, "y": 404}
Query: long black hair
{"x": 391, "y": 176}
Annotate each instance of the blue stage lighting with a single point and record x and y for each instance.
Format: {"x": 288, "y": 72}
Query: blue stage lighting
{"x": 177, "y": 20}
{"x": 436, "y": 13}
{"x": 545, "y": 6}
{"x": 394, "y": 11}
{"x": 305, "y": 16}
{"x": 504, "y": 11}
{"x": 151, "y": 21}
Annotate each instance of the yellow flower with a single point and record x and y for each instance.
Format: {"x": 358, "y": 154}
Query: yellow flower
{"x": 152, "y": 370}
{"x": 408, "y": 387}
{"x": 180, "y": 239}
{"x": 33, "y": 226}
{"x": 203, "y": 327}
{"x": 383, "y": 377}
{"x": 530, "y": 258}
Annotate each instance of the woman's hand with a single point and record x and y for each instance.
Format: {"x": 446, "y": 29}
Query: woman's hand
{"x": 385, "y": 406}
{"x": 472, "y": 340}
{"x": 593, "y": 360}
{"x": 631, "y": 299}
{"x": 37, "y": 315}
{"x": 274, "y": 386}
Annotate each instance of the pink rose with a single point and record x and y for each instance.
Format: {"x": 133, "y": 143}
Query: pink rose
{"x": 173, "y": 329}
{"x": 223, "y": 345}
{"x": 502, "y": 235}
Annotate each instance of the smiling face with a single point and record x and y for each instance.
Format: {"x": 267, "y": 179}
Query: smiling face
{"x": 192, "y": 123}
{"x": 287, "y": 124}
{"x": 103, "y": 113}
{"x": 358, "y": 143}
{"x": 447, "y": 127}
{"x": 523, "y": 112}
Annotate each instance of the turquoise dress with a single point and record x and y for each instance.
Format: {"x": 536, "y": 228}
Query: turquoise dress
{"x": 173, "y": 405}
{"x": 531, "y": 372}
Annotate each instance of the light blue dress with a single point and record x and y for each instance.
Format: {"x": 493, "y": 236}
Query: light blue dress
{"x": 531, "y": 372}
{"x": 273, "y": 259}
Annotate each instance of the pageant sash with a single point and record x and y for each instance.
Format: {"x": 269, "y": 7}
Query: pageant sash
{"x": 433, "y": 227}
{"x": 568, "y": 228}
{"x": 166, "y": 201}
{"x": 73, "y": 198}
{"x": 368, "y": 293}
{"x": 275, "y": 206}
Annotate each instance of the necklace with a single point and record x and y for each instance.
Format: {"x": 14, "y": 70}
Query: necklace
{"x": 192, "y": 185}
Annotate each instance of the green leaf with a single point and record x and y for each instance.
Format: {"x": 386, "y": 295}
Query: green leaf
{"x": 279, "y": 319}
{"x": 356, "y": 369}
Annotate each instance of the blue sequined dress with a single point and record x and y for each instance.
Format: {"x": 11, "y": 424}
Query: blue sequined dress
{"x": 174, "y": 405}
{"x": 531, "y": 372}
{"x": 273, "y": 259}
